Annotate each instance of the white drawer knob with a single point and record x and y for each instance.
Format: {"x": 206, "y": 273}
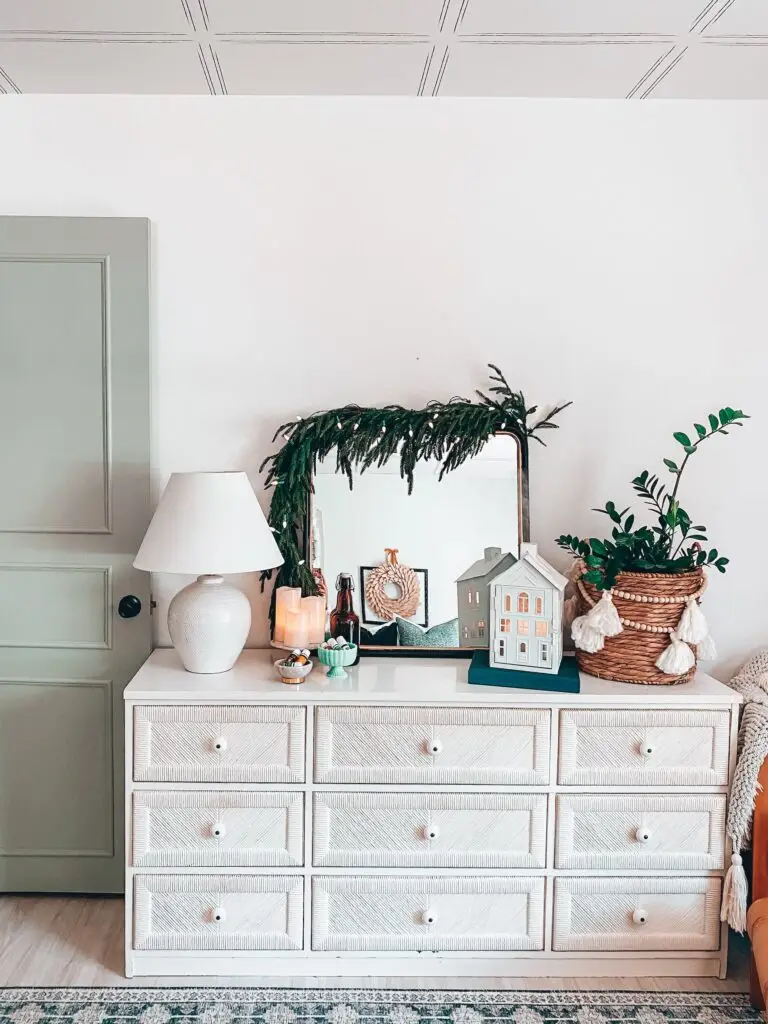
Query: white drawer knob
{"x": 431, "y": 831}
{"x": 646, "y": 748}
{"x": 639, "y": 916}
{"x": 220, "y": 744}
{"x": 642, "y": 835}
{"x": 428, "y": 917}
{"x": 435, "y": 747}
{"x": 218, "y": 914}
{"x": 218, "y": 829}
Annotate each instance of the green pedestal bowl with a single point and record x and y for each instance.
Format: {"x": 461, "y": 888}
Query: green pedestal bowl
{"x": 337, "y": 661}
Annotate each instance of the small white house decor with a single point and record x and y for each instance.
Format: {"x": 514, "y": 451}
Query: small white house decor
{"x": 526, "y": 614}
{"x": 472, "y": 596}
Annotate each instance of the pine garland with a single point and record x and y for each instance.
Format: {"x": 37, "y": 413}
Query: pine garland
{"x": 450, "y": 432}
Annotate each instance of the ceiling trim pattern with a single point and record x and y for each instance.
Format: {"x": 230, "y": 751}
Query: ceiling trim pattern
{"x": 447, "y": 47}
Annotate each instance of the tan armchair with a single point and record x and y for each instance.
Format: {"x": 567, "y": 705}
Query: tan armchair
{"x": 757, "y": 916}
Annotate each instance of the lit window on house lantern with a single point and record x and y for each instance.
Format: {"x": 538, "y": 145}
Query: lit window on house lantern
{"x": 522, "y": 602}
{"x": 505, "y": 626}
{"x": 539, "y": 606}
{"x": 541, "y": 629}
{"x": 522, "y": 627}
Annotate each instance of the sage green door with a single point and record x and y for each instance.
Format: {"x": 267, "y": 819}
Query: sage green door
{"x": 74, "y": 503}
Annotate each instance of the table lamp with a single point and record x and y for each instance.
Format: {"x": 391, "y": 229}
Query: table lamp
{"x": 209, "y": 525}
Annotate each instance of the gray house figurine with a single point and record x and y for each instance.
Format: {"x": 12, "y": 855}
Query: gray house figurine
{"x": 526, "y": 614}
{"x": 473, "y": 595}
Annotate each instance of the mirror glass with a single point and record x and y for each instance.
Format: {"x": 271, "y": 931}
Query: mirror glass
{"x": 420, "y": 563}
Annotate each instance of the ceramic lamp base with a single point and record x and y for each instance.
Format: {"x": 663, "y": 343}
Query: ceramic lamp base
{"x": 209, "y": 622}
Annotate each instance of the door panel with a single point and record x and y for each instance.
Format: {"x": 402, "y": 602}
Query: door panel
{"x": 55, "y": 606}
{"x": 54, "y": 312}
{"x": 74, "y": 397}
{"x": 43, "y": 715}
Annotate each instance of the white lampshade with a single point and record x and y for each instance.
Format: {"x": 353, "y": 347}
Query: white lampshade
{"x": 208, "y": 523}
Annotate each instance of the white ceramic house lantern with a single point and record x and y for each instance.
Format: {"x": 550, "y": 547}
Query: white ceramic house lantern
{"x": 526, "y": 614}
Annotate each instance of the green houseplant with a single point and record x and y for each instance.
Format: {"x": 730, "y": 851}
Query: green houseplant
{"x": 653, "y": 571}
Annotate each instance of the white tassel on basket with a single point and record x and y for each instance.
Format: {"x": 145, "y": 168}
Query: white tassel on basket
{"x": 586, "y": 637}
{"x": 589, "y": 631}
{"x": 734, "y": 906}
{"x": 604, "y": 617}
{"x": 692, "y": 626}
{"x": 676, "y": 659}
{"x": 705, "y": 649}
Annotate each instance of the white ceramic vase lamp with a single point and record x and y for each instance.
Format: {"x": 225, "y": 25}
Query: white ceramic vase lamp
{"x": 208, "y": 525}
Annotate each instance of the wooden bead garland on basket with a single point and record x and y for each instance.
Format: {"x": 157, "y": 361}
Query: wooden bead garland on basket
{"x": 403, "y": 578}
{"x": 647, "y": 629}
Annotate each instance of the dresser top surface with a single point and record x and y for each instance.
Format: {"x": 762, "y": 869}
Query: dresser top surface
{"x": 397, "y": 681}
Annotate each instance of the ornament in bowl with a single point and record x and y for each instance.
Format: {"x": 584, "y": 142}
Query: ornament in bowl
{"x": 337, "y": 654}
{"x": 295, "y": 668}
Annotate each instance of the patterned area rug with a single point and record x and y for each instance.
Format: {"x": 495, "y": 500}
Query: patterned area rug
{"x": 365, "y": 1006}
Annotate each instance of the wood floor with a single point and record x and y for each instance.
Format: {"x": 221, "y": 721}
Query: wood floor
{"x": 63, "y": 941}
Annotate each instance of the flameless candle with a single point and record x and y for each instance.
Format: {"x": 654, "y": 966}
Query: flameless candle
{"x": 315, "y": 610}
{"x": 296, "y": 629}
{"x": 287, "y": 599}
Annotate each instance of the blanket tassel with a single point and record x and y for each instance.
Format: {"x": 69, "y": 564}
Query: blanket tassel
{"x": 734, "y": 905}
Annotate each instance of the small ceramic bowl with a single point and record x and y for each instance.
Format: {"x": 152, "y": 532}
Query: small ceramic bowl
{"x": 292, "y": 673}
{"x": 337, "y": 661}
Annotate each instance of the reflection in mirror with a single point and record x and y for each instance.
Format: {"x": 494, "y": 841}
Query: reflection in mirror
{"x": 421, "y": 563}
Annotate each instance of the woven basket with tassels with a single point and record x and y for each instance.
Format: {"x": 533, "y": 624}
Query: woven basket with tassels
{"x": 650, "y": 606}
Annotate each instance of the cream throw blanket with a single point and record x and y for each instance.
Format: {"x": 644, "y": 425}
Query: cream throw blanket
{"x": 752, "y": 683}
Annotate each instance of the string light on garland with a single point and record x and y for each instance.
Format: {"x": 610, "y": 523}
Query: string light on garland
{"x": 377, "y": 435}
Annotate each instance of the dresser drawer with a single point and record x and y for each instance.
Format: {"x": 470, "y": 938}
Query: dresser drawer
{"x": 225, "y": 743}
{"x": 485, "y": 830}
{"x": 217, "y": 828}
{"x": 427, "y": 913}
{"x": 218, "y": 912}
{"x": 440, "y": 746}
{"x": 604, "y": 832}
{"x": 643, "y": 748}
{"x": 636, "y": 913}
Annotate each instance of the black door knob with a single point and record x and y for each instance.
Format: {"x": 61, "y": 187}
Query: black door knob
{"x": 129, "y": 607}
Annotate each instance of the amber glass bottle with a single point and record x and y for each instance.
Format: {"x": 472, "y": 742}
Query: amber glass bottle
{"x": 343, "y": 620}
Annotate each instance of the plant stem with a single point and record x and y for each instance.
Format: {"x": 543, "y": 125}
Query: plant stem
{"x": 673, "y": 495}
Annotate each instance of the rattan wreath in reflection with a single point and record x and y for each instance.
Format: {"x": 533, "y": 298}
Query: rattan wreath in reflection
{"x": 391, "y": 572}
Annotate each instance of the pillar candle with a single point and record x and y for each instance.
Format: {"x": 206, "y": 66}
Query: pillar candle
{"x": 296, "y": 629}
{"x": 315, "y": 609}
{"x": 287, "y": 599}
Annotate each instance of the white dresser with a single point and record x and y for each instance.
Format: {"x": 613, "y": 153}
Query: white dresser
{"x": 402, "y": 822}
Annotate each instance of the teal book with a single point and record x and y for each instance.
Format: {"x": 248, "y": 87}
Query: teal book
{"x": 566, "y": 680}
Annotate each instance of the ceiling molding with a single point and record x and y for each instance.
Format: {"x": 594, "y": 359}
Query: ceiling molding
{"x": 636, "y": 49}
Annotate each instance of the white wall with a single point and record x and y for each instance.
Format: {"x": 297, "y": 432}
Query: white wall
{"x": 309, "y": 253}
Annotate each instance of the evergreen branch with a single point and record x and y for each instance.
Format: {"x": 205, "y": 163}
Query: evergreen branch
{"x": 449, "y": 432}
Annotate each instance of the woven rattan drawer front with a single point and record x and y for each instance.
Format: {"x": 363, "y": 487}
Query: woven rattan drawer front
{"x": 427, "y": 913}
{"x": 485, "y": 830}
{"x": 636, "y": 913}
{"x": 217, "y": 828}
{"x": 640, "y": 832}
{"x": 443, "y": 746}
{"x": 643, "y": 748}
{"x": 218, "y": 912}
{"x": 218, "y": 743}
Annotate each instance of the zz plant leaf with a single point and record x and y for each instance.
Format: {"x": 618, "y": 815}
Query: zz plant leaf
{"x": 670, "y": 544}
